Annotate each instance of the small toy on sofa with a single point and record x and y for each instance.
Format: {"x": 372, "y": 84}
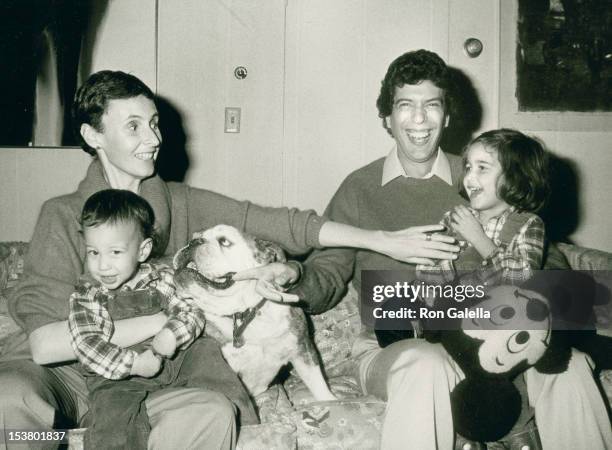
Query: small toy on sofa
{"x": 493, "y": 351}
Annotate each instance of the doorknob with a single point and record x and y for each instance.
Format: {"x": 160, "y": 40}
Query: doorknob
{"x": 473, "y": 47}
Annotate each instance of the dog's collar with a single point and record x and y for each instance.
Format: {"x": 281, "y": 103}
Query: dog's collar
{"x": 241, "y": 321}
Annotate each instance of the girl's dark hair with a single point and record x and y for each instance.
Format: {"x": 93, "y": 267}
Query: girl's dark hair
{"x": 118, "y": 205}
{"x": 91, "y": 99}
{"x": 414, "y": 68}
{"x": 524, "y": 164}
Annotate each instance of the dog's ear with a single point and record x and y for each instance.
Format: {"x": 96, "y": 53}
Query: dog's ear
{"x": 267, "y": 252}
{"x": 183, "y": 257}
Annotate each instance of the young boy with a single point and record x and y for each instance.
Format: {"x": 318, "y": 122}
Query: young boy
{"x": 118, "y": 229}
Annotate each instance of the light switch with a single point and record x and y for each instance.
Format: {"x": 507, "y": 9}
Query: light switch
{"x": 232, "y": 120}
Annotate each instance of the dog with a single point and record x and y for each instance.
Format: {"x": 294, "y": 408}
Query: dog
{"x": 264, "y": 335}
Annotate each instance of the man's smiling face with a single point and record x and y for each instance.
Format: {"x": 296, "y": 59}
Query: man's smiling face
{"x": 417, "y": 121}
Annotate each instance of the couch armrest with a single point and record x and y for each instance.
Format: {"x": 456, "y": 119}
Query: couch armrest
{"x": 583, "y": 258}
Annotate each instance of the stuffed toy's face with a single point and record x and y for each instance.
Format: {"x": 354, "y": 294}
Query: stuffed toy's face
{"x": 518, "y": 329}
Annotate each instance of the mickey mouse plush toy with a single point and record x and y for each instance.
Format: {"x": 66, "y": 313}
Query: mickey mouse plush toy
{"x": 492, "y": 351}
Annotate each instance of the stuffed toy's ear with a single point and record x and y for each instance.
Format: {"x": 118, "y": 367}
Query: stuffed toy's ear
{"x": 485, "y": 409}
{"x": 267, "y": 252}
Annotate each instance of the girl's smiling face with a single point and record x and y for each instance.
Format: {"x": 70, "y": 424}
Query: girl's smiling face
{"x": 482, "y": 179}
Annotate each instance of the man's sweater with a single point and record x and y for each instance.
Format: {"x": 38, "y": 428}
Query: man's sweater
{"x": 362, "y": 201}
{"x": 56, "y": 252}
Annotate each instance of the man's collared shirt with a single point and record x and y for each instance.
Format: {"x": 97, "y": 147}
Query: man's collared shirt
{"x": 393, "y": 168}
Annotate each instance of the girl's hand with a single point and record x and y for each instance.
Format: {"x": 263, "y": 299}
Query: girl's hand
{"x": 416, "y": 245}
{"x": 467, "y": 225}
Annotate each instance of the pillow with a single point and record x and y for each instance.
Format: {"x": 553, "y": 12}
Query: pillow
{"x": 334, "y": 333}
{"x": 344, "y": 424}
{"x": 11, "y": 262}
{"x": 273, "y": 436}
{"x": 344, "y": 387}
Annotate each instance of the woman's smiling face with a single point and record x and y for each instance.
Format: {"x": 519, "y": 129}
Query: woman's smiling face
{"x": 129, "y": 141}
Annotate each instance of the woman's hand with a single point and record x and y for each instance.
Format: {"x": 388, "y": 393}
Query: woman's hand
{"x": 415, "y": 245}
{"x": 270, "y": 279}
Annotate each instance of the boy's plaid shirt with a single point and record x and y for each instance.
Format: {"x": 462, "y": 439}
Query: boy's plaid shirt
{"x": 91, "y": 326}
{"x": 511, "y": 263}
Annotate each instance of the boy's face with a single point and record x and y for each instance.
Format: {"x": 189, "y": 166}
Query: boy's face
{"x": 114, "y": 252}
{"x": 417, "y": 121}
{"x": 483, "y": 177}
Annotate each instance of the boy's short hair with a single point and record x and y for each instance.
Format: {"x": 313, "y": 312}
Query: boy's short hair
{"x": 118, "y": 205}
{"x": 413, "y": 68}
{"x": 91, "y": 99}
{"x": 525, "y": 166}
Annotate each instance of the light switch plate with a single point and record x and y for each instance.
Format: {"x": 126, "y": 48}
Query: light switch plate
{"x": 232, "y": 120}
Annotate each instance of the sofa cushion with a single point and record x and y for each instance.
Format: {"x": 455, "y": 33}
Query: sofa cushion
{"x": 273, "y": 436}
{"x": 343, "y": 424}
{"x": 334, "y": 333}
{"x": 344, "y": 387}
{"x": 582, "y": 258}
{"x": 11, "y": 268}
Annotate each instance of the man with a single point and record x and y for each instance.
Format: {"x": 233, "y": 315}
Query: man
{"x": 416, "y": 184}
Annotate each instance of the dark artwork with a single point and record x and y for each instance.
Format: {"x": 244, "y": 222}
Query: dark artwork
{"x": 564, "y": 55}
{"x": 26, "y": 27}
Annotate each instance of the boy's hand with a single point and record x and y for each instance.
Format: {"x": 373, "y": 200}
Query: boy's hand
{"x": 164, "y": 343}
{"x": 146, "y": 364}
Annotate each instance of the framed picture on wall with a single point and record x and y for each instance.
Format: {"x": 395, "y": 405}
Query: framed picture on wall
{"x": 556, "y": 65}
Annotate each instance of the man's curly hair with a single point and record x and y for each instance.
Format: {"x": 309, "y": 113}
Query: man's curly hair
{"x": 413, "y": 68}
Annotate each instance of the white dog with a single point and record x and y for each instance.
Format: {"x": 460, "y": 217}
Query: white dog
{"x": 264, "y": 335}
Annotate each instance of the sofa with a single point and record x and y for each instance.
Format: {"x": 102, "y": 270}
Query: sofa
{"x": 290, "y": 419}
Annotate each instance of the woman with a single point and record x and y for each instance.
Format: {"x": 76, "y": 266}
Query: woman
{"x": 116, "y": 117}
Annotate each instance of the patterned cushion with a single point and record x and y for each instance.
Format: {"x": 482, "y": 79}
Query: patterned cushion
{"x": 334, "y": 333}
{"x": 11, "y": 262}
{"x": 11, "y": 268}
{"x": 273, "y": 436}
{"x": 343, "y": 387}
{"x": 582, "y": 258}
{"x": 344, "y": 424}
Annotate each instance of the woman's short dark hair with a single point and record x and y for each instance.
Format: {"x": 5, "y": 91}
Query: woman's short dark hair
{"x": 525, "y": 166}
{"x": 111, "y": 206}
{"x": 413, "y": 68}
{"x": 91, "y": 99}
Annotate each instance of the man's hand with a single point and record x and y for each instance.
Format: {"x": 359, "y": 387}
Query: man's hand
{"x": 270, "y": 279}
{"x": 146, "y": 364}
{"x": 164, "y": 343}
{"x": 416, "y": 245}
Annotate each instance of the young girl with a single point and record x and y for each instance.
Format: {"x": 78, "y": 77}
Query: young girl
{"x": 506, "y": 181}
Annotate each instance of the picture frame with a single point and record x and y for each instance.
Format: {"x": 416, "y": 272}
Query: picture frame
{"x": 510, "y": 114}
